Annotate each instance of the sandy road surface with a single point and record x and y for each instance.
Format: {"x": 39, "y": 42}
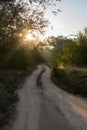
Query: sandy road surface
{"x": 73, "y": 107}
{"x": 48, "y": 108}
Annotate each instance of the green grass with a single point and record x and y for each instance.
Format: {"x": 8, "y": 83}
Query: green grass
{"x": 73, "y": 79}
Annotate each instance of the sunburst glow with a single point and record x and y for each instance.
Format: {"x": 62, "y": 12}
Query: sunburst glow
{"x": 29, "y": 37}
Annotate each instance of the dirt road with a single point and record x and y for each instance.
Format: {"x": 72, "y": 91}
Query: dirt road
{"x": 45, "y": 107}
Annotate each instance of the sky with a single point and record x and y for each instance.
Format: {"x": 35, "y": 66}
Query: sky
{"x": 71, "y": 19}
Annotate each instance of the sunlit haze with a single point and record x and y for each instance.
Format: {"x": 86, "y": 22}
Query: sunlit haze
{"x": 29, "y": 37}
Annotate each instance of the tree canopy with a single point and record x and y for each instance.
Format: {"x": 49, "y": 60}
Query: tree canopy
{"x": 68, "y": 51}
{"x": 16, "y": 18}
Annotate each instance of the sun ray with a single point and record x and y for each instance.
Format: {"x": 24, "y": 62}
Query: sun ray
{"x": 29, "y": 37}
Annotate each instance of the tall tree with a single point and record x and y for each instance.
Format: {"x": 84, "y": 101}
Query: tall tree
{"x": 16, "y": 19}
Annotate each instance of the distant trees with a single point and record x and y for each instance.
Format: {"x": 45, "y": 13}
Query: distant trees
{"x": 69, "y": 51}
{"x": 69, "y": 64}
{"x": 82, "y": 47}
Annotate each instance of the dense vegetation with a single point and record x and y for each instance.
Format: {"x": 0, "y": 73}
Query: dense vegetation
{"x": 68, "y": 60}
{"x": 71, "y": 79}
{"x": 18, "y": 58}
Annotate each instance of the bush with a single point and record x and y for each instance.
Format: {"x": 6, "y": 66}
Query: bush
{"x": 74, "y": 81}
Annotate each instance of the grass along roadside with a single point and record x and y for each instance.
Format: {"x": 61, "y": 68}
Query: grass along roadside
{"x": 73, "y": 80}
{"x": 10, "y": 82}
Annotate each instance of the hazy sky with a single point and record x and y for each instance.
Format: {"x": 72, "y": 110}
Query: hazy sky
{"x": 72, "y": 19}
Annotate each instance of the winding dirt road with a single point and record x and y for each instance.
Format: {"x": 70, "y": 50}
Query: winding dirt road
{"x": 46, "y": 107}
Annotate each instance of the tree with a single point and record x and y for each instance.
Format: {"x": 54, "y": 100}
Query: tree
{"x": 16, "y": 18}
{"x": 46, "y": 2}
{"x": 41, "y": 4}
{"x": 69, "y": 55}
{"x": 82, "y": 47}
{"x": 15, "y": 21}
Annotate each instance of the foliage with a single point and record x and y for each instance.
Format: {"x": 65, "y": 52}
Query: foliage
{"x": 15, "y": 21}
{"x": 43, "y": 3}
{"x": 71, "y": 80}
{"x": 69, "y": 56}
{"x": 16, "y": 18}
{"x": 69, "y": 51}
{"x": 17, "y": 57}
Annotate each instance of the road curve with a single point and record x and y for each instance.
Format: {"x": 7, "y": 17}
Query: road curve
{"x": 73, "y": 107}
{"x": 46, "y": 107}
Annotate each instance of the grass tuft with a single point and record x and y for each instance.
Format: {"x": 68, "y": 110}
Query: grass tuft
{"x": 72, "y": 80}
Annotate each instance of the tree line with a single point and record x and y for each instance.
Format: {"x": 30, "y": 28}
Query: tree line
{"x": 69, "y": 51}
{"x": 68, "y": 60}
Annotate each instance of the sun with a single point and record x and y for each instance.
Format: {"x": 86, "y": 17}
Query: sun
{"x": 29, "y": 37}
